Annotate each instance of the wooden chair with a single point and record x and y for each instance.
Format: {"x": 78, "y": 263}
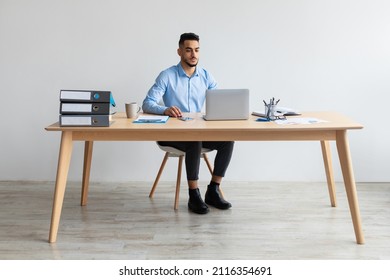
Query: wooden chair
{"x": 173, "y": 152}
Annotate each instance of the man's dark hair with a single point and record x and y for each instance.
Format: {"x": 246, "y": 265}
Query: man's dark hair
{"x": 187, "y": 36}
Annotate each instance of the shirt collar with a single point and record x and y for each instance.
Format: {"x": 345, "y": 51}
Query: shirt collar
{"x": 182, "y": 73}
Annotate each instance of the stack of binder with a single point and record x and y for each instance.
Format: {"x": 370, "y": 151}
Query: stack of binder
{"x": 86, "y": 108}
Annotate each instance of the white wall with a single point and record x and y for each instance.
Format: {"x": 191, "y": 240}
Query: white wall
{"x": 313, "y": 55}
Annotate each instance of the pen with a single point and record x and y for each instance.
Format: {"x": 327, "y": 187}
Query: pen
{"x": 268, "y": 110}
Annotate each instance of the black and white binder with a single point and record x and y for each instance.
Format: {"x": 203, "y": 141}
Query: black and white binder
{"x": 86, "y": 96}
{"x": 86, "y": 108}
{"x": 85, "y": 120}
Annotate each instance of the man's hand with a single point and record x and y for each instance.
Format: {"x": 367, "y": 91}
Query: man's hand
{"x": 173, "y": 111}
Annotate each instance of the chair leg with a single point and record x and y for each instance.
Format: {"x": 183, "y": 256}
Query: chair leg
{"x": 206, "y": 159}
{"x": 159, "y": 174}
{"x": 178, "y": 180}
{"x": 179, "y": 168}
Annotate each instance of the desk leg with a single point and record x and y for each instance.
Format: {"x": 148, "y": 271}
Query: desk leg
{"x": 86, "y": 171}
{"x": 349, "y": 182}
{"x": 62, "y": 174}
{"x": 326, "y": 154}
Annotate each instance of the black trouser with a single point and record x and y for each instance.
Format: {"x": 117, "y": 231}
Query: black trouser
{"x": 193, "y": 153}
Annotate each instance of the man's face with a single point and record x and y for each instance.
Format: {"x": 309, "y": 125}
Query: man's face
{"x": 189, "y": 52}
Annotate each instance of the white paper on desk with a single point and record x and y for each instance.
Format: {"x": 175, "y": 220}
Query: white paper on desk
{"x": 151, "y": 119}
{"x": 299, "y": 121}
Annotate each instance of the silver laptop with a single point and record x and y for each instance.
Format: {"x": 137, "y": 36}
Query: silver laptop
{"x": 227, "y": 104}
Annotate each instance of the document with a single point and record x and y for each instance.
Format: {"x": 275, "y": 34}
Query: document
{"x": 299, "y": 121}
{"x": 284, "y": 111}
{"x": 151, "y": 119}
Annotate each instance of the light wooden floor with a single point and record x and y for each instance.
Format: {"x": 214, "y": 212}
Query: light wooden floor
{"x": 268, "y": 221}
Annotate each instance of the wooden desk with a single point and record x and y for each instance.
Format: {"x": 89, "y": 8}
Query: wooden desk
{"x": 122, "y": 129}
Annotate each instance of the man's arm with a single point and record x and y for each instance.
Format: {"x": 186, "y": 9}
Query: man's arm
{"x": 152, "y": 102}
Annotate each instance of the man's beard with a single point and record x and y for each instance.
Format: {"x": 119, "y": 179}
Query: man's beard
{"x": 191, "y": 64}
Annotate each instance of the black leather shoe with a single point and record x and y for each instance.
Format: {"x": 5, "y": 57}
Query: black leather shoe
{"x": 196, "y": 204}
{"x": 214, "y": 198}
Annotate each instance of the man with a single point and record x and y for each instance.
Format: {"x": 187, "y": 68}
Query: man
{"x": 182, "y": 88}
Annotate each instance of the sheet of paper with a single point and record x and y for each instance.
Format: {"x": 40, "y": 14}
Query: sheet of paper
{"x": 151, "y": 119}
{"x": 299, "y": 121}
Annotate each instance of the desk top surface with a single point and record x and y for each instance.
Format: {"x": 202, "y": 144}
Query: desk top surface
{"x": 333, "y": 121}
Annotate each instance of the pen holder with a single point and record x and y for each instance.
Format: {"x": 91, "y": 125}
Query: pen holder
{"x": 270, "y": 111}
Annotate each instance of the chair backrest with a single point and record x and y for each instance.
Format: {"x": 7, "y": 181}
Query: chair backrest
{"x": 173, "y": 151}
{"x": 176, "y": 152}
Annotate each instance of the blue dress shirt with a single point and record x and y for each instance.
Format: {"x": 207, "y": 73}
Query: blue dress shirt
{"x": 175, "y": 88}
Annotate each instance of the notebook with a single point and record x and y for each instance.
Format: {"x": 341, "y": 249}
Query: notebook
{"x": 227, "y": 104}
